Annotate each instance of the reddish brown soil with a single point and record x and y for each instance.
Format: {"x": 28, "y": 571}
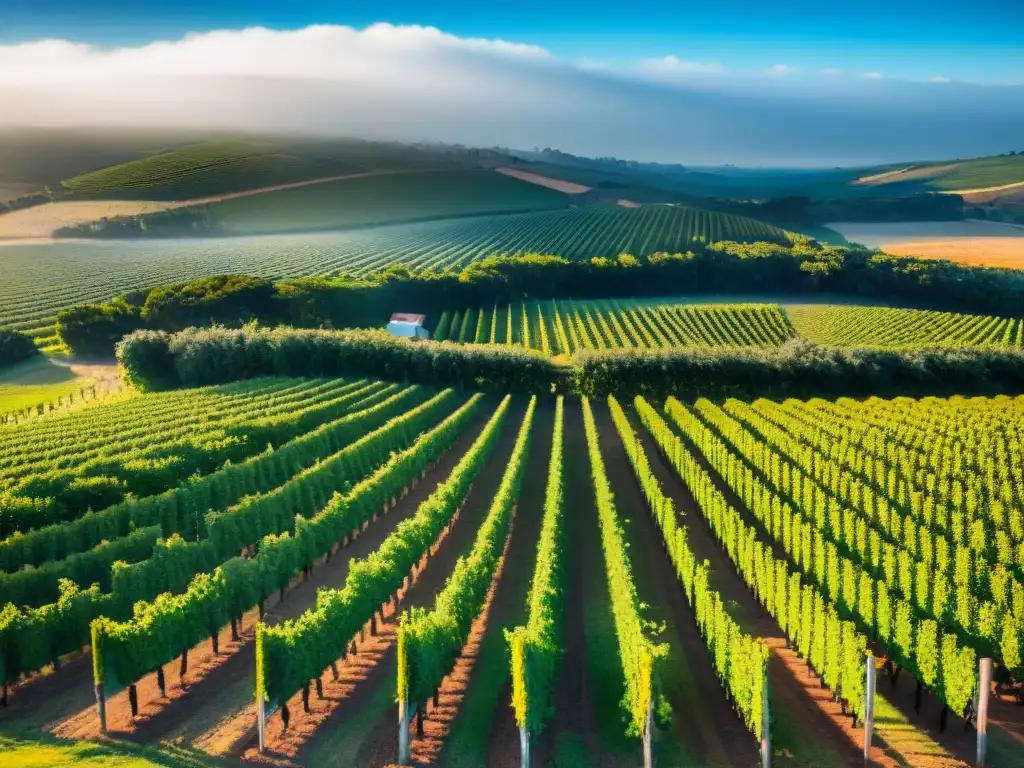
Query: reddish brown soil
{"x": 437, "y": 723}
{"x": 197, "y": 696}
{"x": 559, "y": 185}
{"x": 365, "y": 665}
{"x": 704, "y": 721}
{"x": 955, "y": 740}
{"x": 793, "y": 687}
{"x": 380, "y": 745}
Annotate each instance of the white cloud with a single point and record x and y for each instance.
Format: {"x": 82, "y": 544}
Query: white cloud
{"x": 329, "y": 52}
{"x": 831, "y": 72}
{"x": 939, "y": 79}
{"x": 781, "y": 69}
{"x": 419, "y": 83}
{"x": 673, "y": 66}
{"x": 872, "y": 76}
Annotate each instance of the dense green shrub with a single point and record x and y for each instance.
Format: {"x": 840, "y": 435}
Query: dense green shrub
{"x": 200, "y": 356}
{"x": 799, "y": 368}
{"x": 15, "y": 347}
{"x": 231, "y": 299}
{"x": 94, "y": 329}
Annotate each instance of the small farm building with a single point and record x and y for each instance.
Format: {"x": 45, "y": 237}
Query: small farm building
{"x": 410, "y": 326}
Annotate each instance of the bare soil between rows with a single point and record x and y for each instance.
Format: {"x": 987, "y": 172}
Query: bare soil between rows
{"x": 379, "y": 745}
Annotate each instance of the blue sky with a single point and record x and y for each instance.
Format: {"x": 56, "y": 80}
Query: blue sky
{"x": 980, "y": 41}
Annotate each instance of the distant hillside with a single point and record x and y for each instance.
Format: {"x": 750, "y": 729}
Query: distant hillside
{"x": 224, "y": 166}
{"x": 959, "y": 175}
{"x": 376, "y": 198}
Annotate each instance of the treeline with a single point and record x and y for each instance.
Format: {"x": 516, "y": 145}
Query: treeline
{"x": 15, "y": 347}
{"x": 192, "y": 220}
{"x": 801, "y": 268}
{"x": 25, "y": 201}
{"x": 154, "y": 360}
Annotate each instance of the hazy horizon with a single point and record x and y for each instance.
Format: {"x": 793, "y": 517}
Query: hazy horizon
{"x": 414, "y": 83}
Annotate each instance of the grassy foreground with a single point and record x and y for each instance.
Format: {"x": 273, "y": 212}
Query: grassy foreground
{"x": 25, "y": 750}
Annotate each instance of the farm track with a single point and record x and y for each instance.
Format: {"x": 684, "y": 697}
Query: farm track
{"x": 916, "y": 740}
{"x": 825, "y": 736}
{"x": 361, "y": 728}
{"x": 705, "y": 730}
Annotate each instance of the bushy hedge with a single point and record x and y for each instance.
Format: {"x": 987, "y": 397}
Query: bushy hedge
{"x": 15, "y": 347}
{"x": 155, "y": 360}
{"x": 801, "y": 268}
{"x": 200, "y": 356}
{"x": 800, "y": 368}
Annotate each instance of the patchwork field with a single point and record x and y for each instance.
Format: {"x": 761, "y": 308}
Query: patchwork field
{"x": 383, "y": 548}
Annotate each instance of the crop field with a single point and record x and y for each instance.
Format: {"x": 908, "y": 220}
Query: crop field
{"x": 334, "y": 557}
{"x": 188, "y": 170}
{"x": 41, "y": 279}
{"x": 567, "y": 326}
{"x": 382, "y": 199}
{"x": 564, "y": 327}
{"x": 197, "y": 171}
{"x": 885, "y": 327}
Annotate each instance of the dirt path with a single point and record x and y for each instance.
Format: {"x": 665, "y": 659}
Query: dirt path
{"x": 706, "y": 730}
{"x": 360, "y": 728}
{"x": 104, "y": 373}
{"x": 559, "y": 185}
{"x": 211, "y": 704}
{"x": 910, "y": 736}
{"x": 980, "y": 190}
{"x": 484, "y": 731}
{"x": 41, "y": 221}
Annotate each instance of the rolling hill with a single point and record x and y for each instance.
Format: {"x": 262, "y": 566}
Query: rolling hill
{"x": 227, "y": 165}
{"x": 381, "y": 199}
{"x": 977, "y": 174}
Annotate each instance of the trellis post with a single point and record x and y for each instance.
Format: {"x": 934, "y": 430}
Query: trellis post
{"x": 766, "y": 731}
{"x": 405, "y": 713}
{"x": 984, "y": 686}
{"x": 261, "y": 721}
{"x": 869, "y": 706}
{"x": 648, "y": 726}
{"x": 101, "y": 706}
